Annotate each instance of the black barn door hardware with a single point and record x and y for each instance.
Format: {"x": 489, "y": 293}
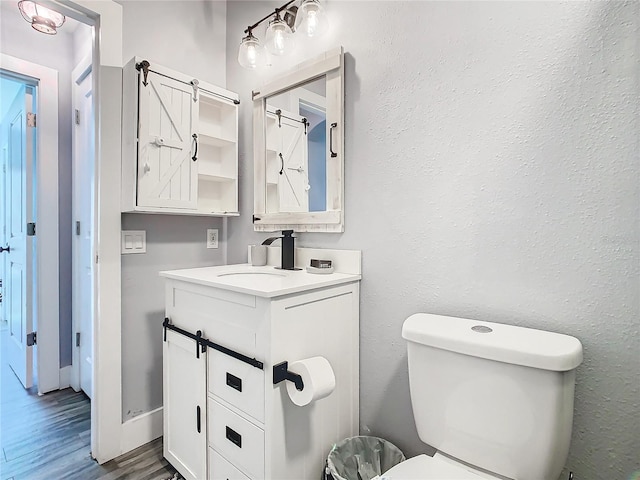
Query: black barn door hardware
{"x": 333, "y": 154}
{"x": 145, "y": 66}
{"x": 195, "y": 140}
{"x": 203, "y": 343}
{"x": 198, "y": 421}
{"x": 281, "y": 372}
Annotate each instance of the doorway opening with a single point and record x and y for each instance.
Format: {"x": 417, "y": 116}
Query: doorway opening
{"x": 39, "y": 190}
{"x": 17, "y": 141}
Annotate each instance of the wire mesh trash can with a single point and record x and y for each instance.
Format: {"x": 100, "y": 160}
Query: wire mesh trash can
{"x": 361, "y": 458}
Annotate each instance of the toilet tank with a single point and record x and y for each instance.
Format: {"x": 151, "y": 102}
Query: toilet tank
{"x": 495, "y": 396}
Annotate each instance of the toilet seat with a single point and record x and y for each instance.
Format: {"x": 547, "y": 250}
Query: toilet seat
{"x": 424, "y": 467}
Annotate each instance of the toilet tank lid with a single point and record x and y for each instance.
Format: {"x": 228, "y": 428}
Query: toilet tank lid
{"x": 495, "y": 341}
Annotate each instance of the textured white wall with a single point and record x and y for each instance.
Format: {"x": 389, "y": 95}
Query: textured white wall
{"x": 187, "y": 36}
{"x": 492, "y": 167}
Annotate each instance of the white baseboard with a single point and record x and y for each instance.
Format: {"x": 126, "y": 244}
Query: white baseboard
{"x": 141, "y": 430}
{"x": 65, "y": 377}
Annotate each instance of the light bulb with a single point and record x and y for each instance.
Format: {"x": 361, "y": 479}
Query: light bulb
{"x": 251, "y": 53}
{"x": 41, "y": 18}
{"x": 279, "y": 37}
{"x": 313, "y": 20}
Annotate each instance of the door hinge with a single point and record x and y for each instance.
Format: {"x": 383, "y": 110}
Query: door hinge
{"x": 32, "y": 339}
{"x": 77, "y": 117}
{"x": 77, "y": 228}
{"x": 31, "y": 119}
{"x": 31, "y": 229}
{"x": 77, "y": 339}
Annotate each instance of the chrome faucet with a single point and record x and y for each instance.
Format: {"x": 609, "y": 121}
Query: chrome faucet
{"x": 287, "y": 260}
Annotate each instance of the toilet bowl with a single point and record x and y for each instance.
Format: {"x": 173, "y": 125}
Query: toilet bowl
{"x": 437, "y": 467}
{"x": 494, "y": 400}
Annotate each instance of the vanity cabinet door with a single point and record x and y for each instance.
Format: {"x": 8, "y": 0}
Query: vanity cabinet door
{"x": 185, "y": 404}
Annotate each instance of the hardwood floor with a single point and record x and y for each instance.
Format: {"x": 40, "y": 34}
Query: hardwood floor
{"x": 48, "y": 437}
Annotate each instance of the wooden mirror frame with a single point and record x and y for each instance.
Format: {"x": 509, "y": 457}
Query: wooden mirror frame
{"x": 331, "y": 65}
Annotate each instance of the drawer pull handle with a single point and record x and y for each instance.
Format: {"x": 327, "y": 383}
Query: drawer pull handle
{"x": 234, "y": 382}
{"x": 234, "y": 437}
{"x": 198, "y": 418}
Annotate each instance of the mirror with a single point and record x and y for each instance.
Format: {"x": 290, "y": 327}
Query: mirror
{"x": 298, "y": 149}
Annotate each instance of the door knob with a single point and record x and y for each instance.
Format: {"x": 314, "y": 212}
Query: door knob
{"x": 5, "y": 249}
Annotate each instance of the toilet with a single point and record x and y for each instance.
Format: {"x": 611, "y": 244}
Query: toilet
{"x": 494, "y": 400}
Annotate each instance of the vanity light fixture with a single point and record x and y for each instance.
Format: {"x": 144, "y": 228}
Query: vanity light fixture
{"x": 251, "y": 54}
{"x": 312, "y": 18}
{"x": 279, "y": 37}
{"x": 41, "y": 18}
{"x": 309, "y": 17}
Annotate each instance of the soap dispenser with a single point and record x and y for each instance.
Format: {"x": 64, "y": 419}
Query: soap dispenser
{"x": 287, "y": 260}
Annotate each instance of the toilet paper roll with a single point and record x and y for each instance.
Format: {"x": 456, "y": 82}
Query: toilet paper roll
{"x": 319, "y": 380}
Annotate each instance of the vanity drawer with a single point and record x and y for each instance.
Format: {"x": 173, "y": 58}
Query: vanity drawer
{"x": 236, "y": 439}
{"x": 237, "y": 383}
{"x": 232, "y": 322}
{"x": 220, "y": 469}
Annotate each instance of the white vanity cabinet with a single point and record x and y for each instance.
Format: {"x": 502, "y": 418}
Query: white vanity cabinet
{"x": 179, "y": 143}
{"x": 253, "y": 430}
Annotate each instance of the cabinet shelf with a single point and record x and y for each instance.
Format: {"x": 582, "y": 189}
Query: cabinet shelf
{"x": 215, "y": 141}
{"x": 215, "y": 178}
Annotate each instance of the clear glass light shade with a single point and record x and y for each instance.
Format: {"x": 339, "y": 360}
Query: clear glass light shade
{"x": 312, "y": 18}
{"x": 41, "y": 18}
{"x": 251, "y": 54}
{"x": 279, "y": 38}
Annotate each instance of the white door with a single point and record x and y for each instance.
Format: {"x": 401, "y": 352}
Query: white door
{"x": 167, "y": 174}
{"x": 184, "y": 401}
{"x": 293, "y": 183}
{"x": 19, "y": 259}
{"x": 83, "y": 208}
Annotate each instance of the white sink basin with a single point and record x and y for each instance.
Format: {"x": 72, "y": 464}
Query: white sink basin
{"x": 265, "y": 281}
{"x": 251, "y": 274}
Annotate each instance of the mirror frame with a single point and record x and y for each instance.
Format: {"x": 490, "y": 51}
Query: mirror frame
{"x": 331, "y": 64}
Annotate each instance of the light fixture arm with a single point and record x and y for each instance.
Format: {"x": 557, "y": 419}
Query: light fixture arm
{"x": 266, "y": 17}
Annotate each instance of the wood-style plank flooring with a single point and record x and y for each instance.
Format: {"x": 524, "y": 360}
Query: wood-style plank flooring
{"x": 48, "y": 437}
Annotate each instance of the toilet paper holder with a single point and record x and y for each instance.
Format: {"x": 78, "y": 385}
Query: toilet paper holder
{"x": 281, "y": 373}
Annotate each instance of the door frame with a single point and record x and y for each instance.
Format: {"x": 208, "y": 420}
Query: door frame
{"x": 106, "y": 405}
{"x": 46, "y": 286}
{"x": 80, "y": 71}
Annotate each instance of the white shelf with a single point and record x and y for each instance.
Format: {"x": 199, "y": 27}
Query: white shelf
{"x": 215, "y": 178}
{"x": 214, "y": 140}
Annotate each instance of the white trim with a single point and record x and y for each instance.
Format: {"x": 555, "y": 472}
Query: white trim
{"x": 141, "y": 429}
{"x": 47, "y": 288}
{"x": 106, "y": 404}
{"x": 77, "y": 75}
{"x": 65, "y": 377}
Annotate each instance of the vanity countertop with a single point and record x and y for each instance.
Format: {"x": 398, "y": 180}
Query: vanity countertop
{"x": 264, "y": 281}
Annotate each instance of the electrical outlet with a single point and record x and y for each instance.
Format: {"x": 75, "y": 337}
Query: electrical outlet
{"x": 212, "y": 238}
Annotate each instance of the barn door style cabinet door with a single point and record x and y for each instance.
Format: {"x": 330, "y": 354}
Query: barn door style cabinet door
{"x": 179, "y": 143}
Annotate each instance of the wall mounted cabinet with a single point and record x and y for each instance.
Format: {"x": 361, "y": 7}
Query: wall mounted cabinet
{"x": 179, "y": 143}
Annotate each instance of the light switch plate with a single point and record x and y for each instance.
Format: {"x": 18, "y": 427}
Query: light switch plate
{"x": 212, "y": 238}
{"x": 134, "y": 241}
